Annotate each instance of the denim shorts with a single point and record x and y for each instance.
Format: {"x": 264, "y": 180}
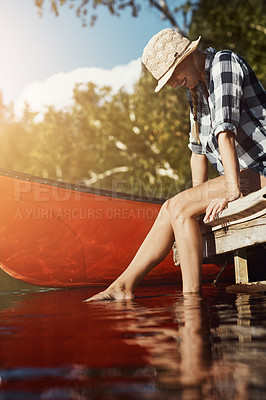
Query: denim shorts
{"x": 260, "y": 168}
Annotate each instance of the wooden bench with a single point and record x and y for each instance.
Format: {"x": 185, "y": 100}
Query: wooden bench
{"x": 238, "y": 227}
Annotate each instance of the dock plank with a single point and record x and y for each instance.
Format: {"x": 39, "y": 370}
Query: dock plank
{"x": 241, "y": 225}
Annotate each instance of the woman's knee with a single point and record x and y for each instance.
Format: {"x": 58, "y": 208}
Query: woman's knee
{"x": 179, "y": 208}
{"x": 164, "y": 211}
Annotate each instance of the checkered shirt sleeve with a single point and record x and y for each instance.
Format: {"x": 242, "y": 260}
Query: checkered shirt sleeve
{"x": 226, "y": 90}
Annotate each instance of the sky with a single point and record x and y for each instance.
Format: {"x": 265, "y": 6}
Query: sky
{"x": 43, "y": 58}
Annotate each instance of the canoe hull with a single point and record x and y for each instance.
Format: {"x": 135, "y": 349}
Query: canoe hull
{"x": 60, "y": 235}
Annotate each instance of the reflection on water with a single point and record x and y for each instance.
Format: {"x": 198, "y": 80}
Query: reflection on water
{"x": 176, "y": 340}
{"x": 162, "y": 345}
{"x": 12, "y": 290}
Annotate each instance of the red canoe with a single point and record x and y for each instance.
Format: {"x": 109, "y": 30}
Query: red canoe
{"x": 60, "y": 235}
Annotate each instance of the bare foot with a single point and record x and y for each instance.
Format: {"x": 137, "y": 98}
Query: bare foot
{"x": 112, "y": 294}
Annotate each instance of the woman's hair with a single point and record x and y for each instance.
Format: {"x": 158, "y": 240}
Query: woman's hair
{"x": 195, "y": 126}
{"x": 194, "y": 98}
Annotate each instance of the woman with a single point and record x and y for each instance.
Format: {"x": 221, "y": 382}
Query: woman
{"x": 228, "y": 128}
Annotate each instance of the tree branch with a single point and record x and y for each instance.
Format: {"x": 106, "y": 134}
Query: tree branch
{"x": 162, "y": 6}
{"x": 84, "y": 8}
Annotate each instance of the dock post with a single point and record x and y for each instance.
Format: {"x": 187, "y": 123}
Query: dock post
{"x": 241, "y": 266}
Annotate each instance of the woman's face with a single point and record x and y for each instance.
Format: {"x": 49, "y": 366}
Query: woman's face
{"x": 185, "y": 74}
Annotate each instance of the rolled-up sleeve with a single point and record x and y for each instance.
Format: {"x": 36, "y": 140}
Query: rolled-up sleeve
{"x": 226, "y": 90}
{"x": 196, "y": 148}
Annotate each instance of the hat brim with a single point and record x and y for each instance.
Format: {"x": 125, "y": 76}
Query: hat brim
{"x": 165, "y": 78}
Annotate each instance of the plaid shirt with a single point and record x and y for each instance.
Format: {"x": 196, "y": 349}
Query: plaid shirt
{"x": 236, "y": 102}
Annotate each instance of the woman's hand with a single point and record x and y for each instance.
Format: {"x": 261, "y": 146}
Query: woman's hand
{"x": 219, "y": 204}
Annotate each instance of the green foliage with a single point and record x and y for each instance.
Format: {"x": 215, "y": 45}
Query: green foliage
{"x": 134, "y": 143}
{"x": 236, "y": 25}
{"x": 53, "y": 143}
{"x": 163, "y": 122}
{"x": 15, "y": 139}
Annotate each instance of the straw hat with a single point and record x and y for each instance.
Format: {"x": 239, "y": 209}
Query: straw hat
{"x": 164, "y": 52}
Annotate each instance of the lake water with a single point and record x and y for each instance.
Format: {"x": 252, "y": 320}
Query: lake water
{"x": 162, "y": 345}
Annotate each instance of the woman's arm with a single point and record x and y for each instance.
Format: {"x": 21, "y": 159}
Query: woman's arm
{"x": 226, "y": 142}
{"x": 199, "y": 168}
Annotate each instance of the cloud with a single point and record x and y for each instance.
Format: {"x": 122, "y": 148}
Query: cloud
{"x": 57, "y": 90}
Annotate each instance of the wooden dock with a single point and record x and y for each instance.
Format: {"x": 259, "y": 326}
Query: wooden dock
{"x": 236, "y": 229}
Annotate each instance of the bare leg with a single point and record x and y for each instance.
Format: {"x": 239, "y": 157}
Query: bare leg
{"x": 189, "y": 246}
{"x": 184, "y": 210}
{"x": 177, "y": 219}
{"x": 153, "y": 250}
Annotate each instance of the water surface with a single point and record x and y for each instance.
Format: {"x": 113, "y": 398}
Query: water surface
{"x": 162, "y": 345}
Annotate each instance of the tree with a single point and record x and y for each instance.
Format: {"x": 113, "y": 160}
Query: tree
{"x": 237, "y": 25}
{"x": 16, "y": 138}
{"x": 87, "y": 9}
{"x": 135, "y": 143}
{"x": 51, "y": 155}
